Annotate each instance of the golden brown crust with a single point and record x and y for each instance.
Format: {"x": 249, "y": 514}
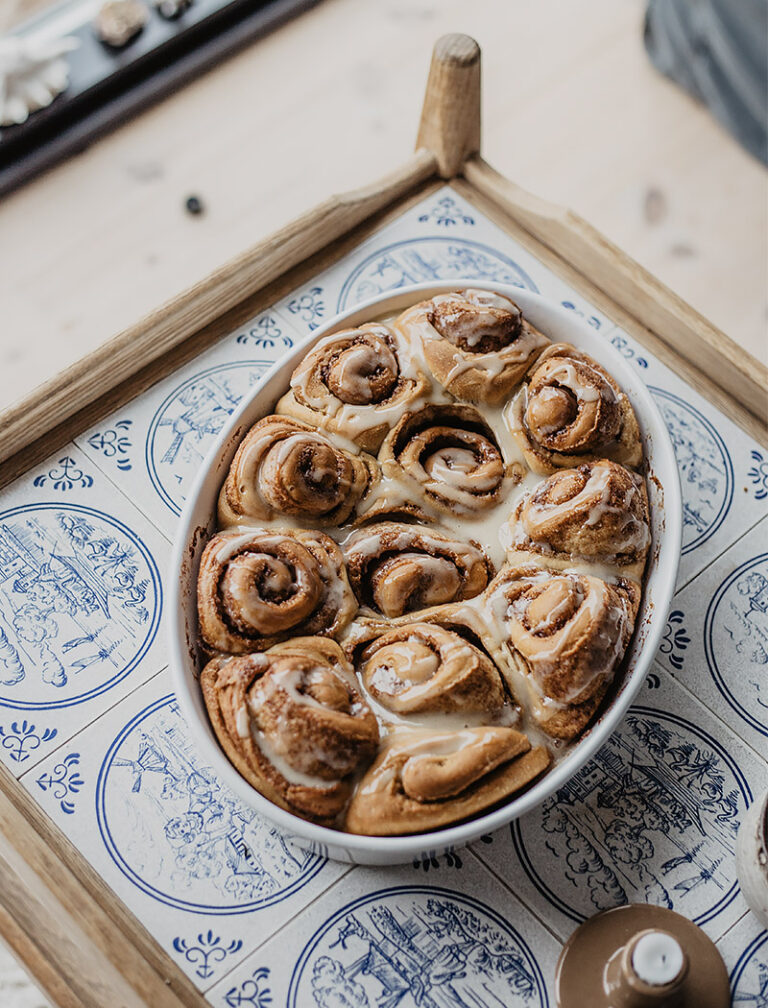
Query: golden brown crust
{"x": 572, "y": 411}
{"x": 258, "y": 587}
{"x": 565, "y": 634}
{"x": 449, "y": 457}
{"x": 396, "y": 568}
{"x": 285, "y": 467}
{"x": 477, "y": 344}
{"x": 597, "y": 513}
{"x": 356, "y": 383}
{"x": 293, "y": 723}
{"x": 419, "y": 667}
{"x": 422, "y": 781}
{"x": 426, "y": 631}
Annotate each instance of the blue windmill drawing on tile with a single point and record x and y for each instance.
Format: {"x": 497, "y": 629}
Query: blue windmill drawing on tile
{"x": 179, "y": 835}
{"x": 749, "y": 977}
{"x": 652, "y": 818}
{"x": 410, "y": 946}
{"x": 736, "y": 641}
{"x": 187, "y": 422}
{"x": 705, "y": 467}
{"x": 419, "y": 260}
{"x": 80, "y": 601}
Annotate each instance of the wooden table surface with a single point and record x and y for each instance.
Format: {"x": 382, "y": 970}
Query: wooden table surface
{"x": 572, "y": 110}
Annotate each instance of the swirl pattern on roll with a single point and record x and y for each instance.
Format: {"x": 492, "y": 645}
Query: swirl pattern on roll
{"x": 396, "y": 568}
{"x": 572, "y": 411}
{"x": 357, "y": 383}
{"x": 565, "y": 635}
{"x": 476, "y": 343}
{"x": 423, "y": 780}
{"x": 260, "y": 586}
{"x": 420, "y": 667}
{"x": 450, "y": 457}
{"x": 284, "y": 467}
{"x": 598, "y": 512}
{"x": 293, "y": 722}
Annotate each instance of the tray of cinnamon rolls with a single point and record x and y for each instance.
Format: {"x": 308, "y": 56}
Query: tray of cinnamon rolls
{"x": 424, "y": 569}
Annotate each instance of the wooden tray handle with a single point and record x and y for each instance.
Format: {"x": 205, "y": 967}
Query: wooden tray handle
{"x": 450, "y": 116}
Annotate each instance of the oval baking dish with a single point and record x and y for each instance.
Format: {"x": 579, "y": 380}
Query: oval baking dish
{"x": 197, "y": 524}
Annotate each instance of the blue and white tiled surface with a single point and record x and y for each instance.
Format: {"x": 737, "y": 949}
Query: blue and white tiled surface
{"x": 89, "y": 724}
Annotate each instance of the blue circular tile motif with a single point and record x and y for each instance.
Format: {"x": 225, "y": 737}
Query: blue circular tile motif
{"x": 187, "y": 422}
{"x": 80, "y": 603}
{"x": 706, "y": 470}
{"x": 419, "y": 260}
{"x": 736, "y": 641}
{"x": 749, "y": 977}
{"x": 651, "y": 819}
{"x": 416, "y": 946}
{"x": 178, "y": 835}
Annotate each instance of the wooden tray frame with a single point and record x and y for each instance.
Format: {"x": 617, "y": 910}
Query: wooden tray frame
{"x": 73, "y": 934}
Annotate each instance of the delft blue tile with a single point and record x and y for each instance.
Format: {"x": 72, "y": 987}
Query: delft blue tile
{"x": 153, "y": 447}
{"x": 745, "y": 952}
{"x": 208, "y": 877}
{"x": 80, "y": 604}
{"x": 716, "y": 639}
{"x": 723, "y": 472}
{"x": 651, "y": 819}
{"x": 439, "y": 238}
{"x": 452, "y": 936}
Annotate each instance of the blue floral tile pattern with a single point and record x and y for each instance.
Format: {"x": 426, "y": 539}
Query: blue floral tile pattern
{"x": 256, "y": 919}
{"x": 453, "y": 941}
{"x": 652, "y": 818}
{"x": 206, "y": 874}
{"x": 153, "y": 447}
{"x": 724, "y": 613}
{"x": 81, "y": 601}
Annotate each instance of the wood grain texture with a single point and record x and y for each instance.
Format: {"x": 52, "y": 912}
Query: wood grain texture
{"x": 119, "y": 358}
{"x": 450, "y": 117}
{"x": 641, "y": 295}
{"x": 572, "y": 110}
{"x": 77, "y": 939}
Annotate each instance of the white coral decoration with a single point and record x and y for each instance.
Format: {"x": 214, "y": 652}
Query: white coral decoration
{"x": 32, "y": 73}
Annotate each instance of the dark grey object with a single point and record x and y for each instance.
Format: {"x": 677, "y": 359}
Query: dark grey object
{"x": 718, "y": 51}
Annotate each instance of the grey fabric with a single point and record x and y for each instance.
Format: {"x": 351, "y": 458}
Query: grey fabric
{"x": 718, "y": 51}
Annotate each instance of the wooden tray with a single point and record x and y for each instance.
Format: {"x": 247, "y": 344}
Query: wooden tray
{"x": 81, "y": 943}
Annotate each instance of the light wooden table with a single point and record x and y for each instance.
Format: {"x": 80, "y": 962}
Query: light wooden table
{"x": 572, "y": 111}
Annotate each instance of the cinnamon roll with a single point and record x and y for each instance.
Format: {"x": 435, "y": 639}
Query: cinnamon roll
{"x": 417, "y": 668}
{"x": 285, "y": 467}
{"x": 564, "y": 635}
{"x": 572, "y": 411}
{"x": 423, "y": 780}
{"x": 261, "y": 586}
{"x": 448, "y": 456}
{"x": 356, "y": 383}
{"x": 477, "y": 343}
{"x": 597, "y": 513}
{"x": 293, "y": 723}
{"x": 396, "y": 568}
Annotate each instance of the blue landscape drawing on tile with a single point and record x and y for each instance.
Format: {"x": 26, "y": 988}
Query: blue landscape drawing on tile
{"x": 417, "y": 945}
{"x": 187, "y": 422}
{"x": 80, "y": 603}
{"x": 177, "y": 835}
{"x": 652, "y": 818}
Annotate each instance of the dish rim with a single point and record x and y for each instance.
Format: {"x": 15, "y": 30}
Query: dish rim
{"x": 658, "y": 580}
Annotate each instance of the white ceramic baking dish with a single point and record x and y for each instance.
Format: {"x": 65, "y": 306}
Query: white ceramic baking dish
{"x": 197, "y": 524}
